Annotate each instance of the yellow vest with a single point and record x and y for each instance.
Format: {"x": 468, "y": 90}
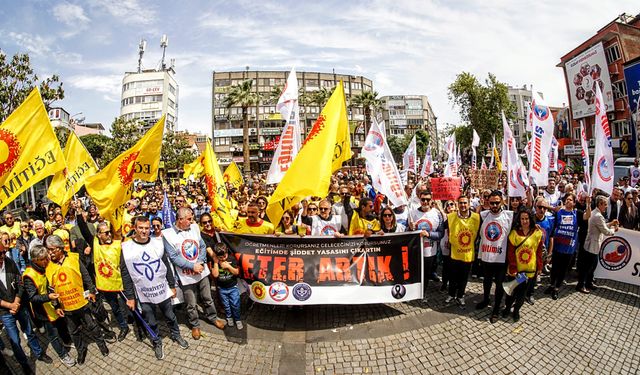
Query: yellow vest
{"x": 15, "y": 230}
{"x": 127, "y": 226}
{"x": 40, "y": 281}
{"x": 64, "y": 236}
{"x": 462, "y": 236}
{"x": 526, "y": 253}
{"x": 106, "y": 259}
{"x": 66, "y": 280}
{"x": 359, "y": 225}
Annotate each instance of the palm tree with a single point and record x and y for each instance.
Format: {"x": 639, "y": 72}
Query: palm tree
{"x": 242, "y": 95}
{"x": 369, "y": 101}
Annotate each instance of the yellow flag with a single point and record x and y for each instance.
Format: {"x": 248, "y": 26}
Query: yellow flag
{"x": 232, "y": 175}
{"x": 217, "y": 190}
{"x": 322, "y": 153}
{"x": 195, "y": 168}
{"x": 497, "y": 157}
{"x": 80, "y": 165}
{"x": 112, "y": 187}
{"x": 29, "y": 149}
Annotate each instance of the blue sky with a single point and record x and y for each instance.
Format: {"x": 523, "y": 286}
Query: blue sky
{"x": 405, "y": 46}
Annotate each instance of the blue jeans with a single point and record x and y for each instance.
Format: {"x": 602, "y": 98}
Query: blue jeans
{"x": 54, "y": 339}
{"x": 18, "y": 259}
{"x": 231, "y": 301}
{"x": 149, "y": 313}
{"x": 11, "y": 326}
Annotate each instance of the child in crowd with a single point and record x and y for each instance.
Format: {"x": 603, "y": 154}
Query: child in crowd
{"x": 225, "y": 270}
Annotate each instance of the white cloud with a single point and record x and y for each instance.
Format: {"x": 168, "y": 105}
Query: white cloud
{"x": 110, "y": 85}
{"x": 33, "y": 44}
{"x": 71, "y": 15}
{"x": 128, "y": 11}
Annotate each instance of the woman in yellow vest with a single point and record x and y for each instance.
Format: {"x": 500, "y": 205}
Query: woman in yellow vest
{"x": 463, "y": 229}
{"x": 524, "y": 255}
{"x": 69, "y": 279}
{"x": 42, "y": 302}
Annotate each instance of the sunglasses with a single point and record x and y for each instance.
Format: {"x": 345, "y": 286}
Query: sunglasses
{"x": 541, "y": 207}
{"x": 325, "y": 208}
{"x": 387, "y": 215}
{"x": 106, "y": 232}
{"x": 205, "y": 222}
{"x": 494, "y": 203}
{"x": 451, "y": 204}
{"x": 313, "y": 209}
{"x": 425, "y": 199}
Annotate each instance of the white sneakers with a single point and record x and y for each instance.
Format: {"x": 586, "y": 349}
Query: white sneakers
{"x": 239, "y": 325}
{"x": 229, "y": 322}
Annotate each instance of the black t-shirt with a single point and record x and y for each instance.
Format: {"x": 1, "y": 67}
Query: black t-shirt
{"x": 225, "y": 278}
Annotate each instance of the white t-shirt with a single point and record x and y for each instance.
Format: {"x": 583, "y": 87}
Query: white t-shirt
{"x": 428, "y": 221}
{"x": 494, "y": 234}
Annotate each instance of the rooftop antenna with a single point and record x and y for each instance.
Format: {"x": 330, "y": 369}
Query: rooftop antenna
{"x": 141, "y": 47}
{"x": 164, "y": 42}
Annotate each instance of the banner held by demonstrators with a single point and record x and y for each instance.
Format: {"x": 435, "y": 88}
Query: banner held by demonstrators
{"x": 325, "y": 270}
{"x": 619, "y": 257}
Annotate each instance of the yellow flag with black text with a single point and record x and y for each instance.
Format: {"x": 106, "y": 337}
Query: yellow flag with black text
{"x": 29, "y": 149}
{"x": 67, "y": 182}
{"x": 327, "y": 146}
{"x": 496, "y": 155}
{"x": 232, "y": 175}
{"x": 112, "y": 187}
{"x": 217, "y": 190}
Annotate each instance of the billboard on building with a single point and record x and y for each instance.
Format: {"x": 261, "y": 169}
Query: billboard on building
{"x": 632, "y": 78}
{"x": 584, "y": 72}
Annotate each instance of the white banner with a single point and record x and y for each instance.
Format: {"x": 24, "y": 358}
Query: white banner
{"x": 382, "y": 168}
{"x": 542, "y": 122}
{"x": 410, "y": 157}
{"x": 514, "y": 164}
{"x": 450, "y": 145}
{"x": 290, "y": 139}
{"x": 553, "y": 156}
{"x": 427, "y": 165}
{"x": 474, "y": 144}
{"x": 584, "y": 72}
{"x": 585, "y": 157}
{"x": 619, "y": 257}
{"x": 602, "y": 175}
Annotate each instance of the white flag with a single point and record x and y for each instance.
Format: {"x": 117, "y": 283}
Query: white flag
{"x": 585, "y": 157}
{"x": 450, "y": 145}
{"x": 527, "y": 150}
{"x": 427, "y": 165}
{"x": 484, "y": 165}
{"x": 553, "y": 155}
{"x": 528, "y": 117}
{"x": 602, "y": 176}
{"x": 493, "y": 159}
{"x": 410, "y": 156}
{"x": 382, "y": 168}
{"x": 542, "y": 123}
{"x": 289, "y": 144}
{"x": 474, "y": 144}
{"x": 514, "y": 164}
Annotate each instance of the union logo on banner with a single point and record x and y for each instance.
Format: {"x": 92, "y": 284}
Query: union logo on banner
{"x": 9, "y": 148}
{"x": 603, "y": 169}
{"x": 126, "y": 169}
{"x": 376, "y": 141}
{"x": 541, "y": 112}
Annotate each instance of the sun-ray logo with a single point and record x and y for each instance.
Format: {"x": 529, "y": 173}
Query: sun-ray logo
{"x": 9, "y": 151}
{"x": 317, "y": 128}
{"x": 126, "y": 169}
{"x": 105, "y": 269}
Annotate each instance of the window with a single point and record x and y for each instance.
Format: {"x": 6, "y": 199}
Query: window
{"x": 620, "y": 128}
{"x": 219, "y": 83}
{"x": 172, "y": 89}
{"x": 576, "y": 133}
{"x": 619, "y": 90}
{"x": 356, "y": 86}
{"x": 172, "y": 104}
{"x": 612, "y": 53}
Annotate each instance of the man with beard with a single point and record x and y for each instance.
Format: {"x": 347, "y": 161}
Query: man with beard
{"x": 463, "y": 228}
{"x": 550, "y": 194}
{"x": 362, "y": 222}
{"x": 615, "y": 203}
{"x": 188, "y": 252}
{"x": 494, "y": 234}
{"x": 253, "y": 224}
{"x": 324, "y": 224}
{"x": 430, "y": 222}
{"x": 145, "y": 274}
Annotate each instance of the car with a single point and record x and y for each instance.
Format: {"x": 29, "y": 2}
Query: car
{"x": 621, "y": 167}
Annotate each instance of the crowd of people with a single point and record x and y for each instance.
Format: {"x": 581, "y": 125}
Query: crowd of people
{"x": 58, "y": 269}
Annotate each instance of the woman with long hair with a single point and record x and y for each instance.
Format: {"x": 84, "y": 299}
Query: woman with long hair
{"x": 524, "y": 256}
{"x": 388, "y": 221}
{"x": 287, "y": 225}
{"x": 629, "y": 217}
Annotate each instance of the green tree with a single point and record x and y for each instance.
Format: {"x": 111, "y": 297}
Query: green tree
{"x": 320, "y": 97}
{"x": 397, "y": 146}
{"x": 96, "y": 144}
{"x": 369, "y": 102}
{"x": 17, "y": 79}
{"x": 243, "y": 95}
{"x": 124, "y": 134}
{"x": 480, "y": 106}
{"x": 175, "y": 150}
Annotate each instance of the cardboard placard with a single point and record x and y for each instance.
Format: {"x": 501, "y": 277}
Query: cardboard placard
{"x": 484, "y": 178}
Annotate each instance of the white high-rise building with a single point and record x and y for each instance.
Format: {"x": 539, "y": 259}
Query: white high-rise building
{"x": 149, "y": 93}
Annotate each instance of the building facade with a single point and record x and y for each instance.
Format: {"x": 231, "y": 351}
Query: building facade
{"x": 265, "y": 122}
{"x": 405, "y": 114}
{"x": 600, "y": 61}
{"x": 148, "y": 94}
{"x": 521, "y": 98}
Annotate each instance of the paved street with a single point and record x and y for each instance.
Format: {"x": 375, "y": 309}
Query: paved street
{"x": 578, "y": 334}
